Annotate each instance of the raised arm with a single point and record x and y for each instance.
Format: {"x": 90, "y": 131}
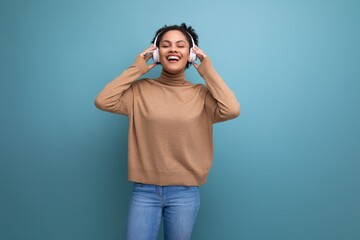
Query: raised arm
{"x": 221, "y": 103}
{"x": 116, "y": 97}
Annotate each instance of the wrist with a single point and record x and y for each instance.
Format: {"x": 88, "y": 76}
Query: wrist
{"x": 140, "y": 64}
{"x": 205, "y": 66}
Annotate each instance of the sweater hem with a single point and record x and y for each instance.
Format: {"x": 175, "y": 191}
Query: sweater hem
{"x": 166, "y": 179}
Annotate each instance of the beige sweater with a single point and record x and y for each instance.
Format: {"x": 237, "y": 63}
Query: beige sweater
{"x": 170, "y": 140}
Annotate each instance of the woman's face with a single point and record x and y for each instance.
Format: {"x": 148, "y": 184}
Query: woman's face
{"x": 174, "y": 50}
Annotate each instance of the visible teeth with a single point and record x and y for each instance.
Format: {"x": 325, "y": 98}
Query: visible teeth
{"x": 173, "y": 58}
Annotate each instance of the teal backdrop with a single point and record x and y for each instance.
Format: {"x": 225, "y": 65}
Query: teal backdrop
{"x": 286, "y": 169}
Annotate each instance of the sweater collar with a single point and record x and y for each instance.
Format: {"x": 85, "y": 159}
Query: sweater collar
{"x": 173, "y": 79}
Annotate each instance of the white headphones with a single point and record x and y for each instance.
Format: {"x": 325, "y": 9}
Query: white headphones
{"x": 192, "y": 56}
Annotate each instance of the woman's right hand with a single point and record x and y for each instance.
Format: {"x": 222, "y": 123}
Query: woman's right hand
{"x": 147, "y": 54}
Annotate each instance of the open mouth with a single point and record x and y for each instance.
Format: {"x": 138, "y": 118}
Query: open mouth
{"x": 173, "y": 58}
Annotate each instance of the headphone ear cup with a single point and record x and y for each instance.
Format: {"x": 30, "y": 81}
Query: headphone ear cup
{"x": 156, "y": 55}
{"x": 192, "y": 56}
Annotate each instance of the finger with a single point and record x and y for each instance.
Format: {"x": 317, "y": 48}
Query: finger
{"x": 200, "y": 56}
{"x": 148, "y": 55}
{"x": 148, "y": 51}
{"x": 150, "y": 66}
{"x": 197, "y": 49}
{"x": 199, "y": 53}
{"x": 151, "y": 48}
{"x": 196, "y": 65}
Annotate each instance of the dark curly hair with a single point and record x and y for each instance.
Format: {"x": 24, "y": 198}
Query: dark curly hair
{"x": 186, "y": 30}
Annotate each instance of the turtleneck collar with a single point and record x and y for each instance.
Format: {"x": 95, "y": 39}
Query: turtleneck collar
{"x": 173, "y": 79}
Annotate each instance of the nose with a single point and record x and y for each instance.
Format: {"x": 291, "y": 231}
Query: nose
{"x": 173, "y": 48}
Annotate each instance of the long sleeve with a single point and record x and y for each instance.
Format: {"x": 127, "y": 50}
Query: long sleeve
{"x": 117, "y": 96}
{"x": 220, "y": 103}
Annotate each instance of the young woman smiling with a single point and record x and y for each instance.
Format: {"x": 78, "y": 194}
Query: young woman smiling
{"x": 170, "y": 145}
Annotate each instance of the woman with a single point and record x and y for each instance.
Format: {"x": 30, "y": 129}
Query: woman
{"x": 170, "y": 147}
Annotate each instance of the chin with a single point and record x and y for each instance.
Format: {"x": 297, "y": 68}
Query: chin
{"x": 175, "y": 69}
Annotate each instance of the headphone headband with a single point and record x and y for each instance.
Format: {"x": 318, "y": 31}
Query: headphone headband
{"x": 192, "y": 56}
{"x": 192, "y": 40}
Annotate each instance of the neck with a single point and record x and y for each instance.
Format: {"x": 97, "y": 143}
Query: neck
{"x": 173, "y": 79}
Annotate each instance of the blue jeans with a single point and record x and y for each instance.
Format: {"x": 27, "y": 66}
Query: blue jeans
{"x": 177, "y": 205}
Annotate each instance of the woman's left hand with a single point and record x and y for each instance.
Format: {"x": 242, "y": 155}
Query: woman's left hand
{"x": 199, "y": 54}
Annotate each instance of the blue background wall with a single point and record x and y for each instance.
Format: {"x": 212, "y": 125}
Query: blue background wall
{"x": 286, "y": 169}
